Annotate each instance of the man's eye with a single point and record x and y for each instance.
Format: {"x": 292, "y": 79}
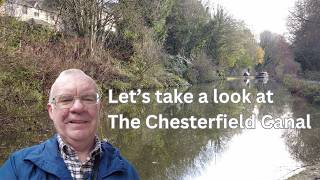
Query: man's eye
{"x": 89, "y": 98}
{"x": 65, "y": 99}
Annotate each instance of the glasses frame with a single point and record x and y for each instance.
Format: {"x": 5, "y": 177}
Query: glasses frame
{"x": 54, "y": 101}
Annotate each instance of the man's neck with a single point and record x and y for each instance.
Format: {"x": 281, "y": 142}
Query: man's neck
{"x": 82, "y": 148}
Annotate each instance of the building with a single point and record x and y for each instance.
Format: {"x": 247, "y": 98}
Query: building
{"x": 30, "y": 11}
{"x": 38, "y": 12}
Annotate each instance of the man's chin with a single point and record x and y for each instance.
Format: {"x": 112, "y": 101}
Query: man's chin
{"x": 79, "y": 135}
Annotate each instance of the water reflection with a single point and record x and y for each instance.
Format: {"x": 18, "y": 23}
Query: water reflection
{"x": 253, "y": 154}
{"x": 304, "y": 144}
{"x": 200, "y": 154}
{"x": 215, "y": 153}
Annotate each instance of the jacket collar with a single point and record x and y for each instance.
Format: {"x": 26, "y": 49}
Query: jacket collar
{"x": 49, "y": 159}
{"x": 111, "y": 161}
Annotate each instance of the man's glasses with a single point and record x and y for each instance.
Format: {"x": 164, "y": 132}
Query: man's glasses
{"x": 65, "y": 101}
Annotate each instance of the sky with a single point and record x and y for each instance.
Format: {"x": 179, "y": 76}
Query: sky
{"x": 259, "y": 15}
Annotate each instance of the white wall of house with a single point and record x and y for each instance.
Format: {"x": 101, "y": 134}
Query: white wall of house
{"x": 26, "y": 13}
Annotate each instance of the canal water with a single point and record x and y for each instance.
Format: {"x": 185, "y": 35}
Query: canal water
{"x": 187, "y": 154}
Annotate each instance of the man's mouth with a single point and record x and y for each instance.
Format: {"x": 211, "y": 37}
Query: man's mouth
{"x": 77, "y": 122}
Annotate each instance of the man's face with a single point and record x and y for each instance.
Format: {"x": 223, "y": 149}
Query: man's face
{"x": 79, "y": 122}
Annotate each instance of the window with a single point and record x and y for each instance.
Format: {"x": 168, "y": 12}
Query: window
{"x": 36, "y": 14}
{"x": 24, "y": 10}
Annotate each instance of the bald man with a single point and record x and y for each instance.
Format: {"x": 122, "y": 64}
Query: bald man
{"x": 75, "y": 152}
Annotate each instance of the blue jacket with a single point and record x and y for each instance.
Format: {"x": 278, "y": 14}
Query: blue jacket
{"x": 43, "y": 161}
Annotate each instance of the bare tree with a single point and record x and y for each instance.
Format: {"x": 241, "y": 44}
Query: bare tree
{"x": 92, "y": 19}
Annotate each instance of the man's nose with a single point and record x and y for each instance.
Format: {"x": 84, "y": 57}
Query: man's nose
{"x": 77, "y": 106}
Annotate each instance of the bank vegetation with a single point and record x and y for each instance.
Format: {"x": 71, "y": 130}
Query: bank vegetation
{"x": 156, "y": 44}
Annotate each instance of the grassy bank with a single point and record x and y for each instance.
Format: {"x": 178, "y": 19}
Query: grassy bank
{"x": 303, "y": 88}
{"x": 32, "y": 56}
{"x": 310, "y": 172}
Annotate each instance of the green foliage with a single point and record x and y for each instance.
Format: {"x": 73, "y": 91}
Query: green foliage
{"x": 312, "y": 75}
{"x": 130, "y": 35}
{"x": 21, "y": 87}
{"x": 230, "y": 44}
{"x": 14, "y": 34}
{"x": 171, "y": 80}
{"x": 160, "y": 30}
{"x": 303, "y": 88}
{"x": 204, "y": 46}
{"x": 160, "y": 22}
{"x": 20, "y": 90}
{"x": 202, "y": 70}
{"x": 192, "y": 31}
{"x": 120, "y": 85}
{"x": 304, "y": 25}
{"x": 177, "y": 65}
{"x": 278, "y": 57}
{"x": 183, "y": 27}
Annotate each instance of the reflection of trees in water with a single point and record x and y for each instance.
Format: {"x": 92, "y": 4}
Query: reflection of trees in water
{"x": 282, "y": 100}
{"x": 153, "y": 151}
{"x": 190, "y": 167}
{"x": 304, "y": 144}
{"x": 168, "y": 154}
{"x": 22, "y": 125}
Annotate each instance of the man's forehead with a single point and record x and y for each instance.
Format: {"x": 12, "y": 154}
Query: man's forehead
{"x": 70, "y": 82}
{"x": 75, "y": 77}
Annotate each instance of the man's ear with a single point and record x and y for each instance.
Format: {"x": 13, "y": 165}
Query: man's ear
{"x": 50, "y": 110}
